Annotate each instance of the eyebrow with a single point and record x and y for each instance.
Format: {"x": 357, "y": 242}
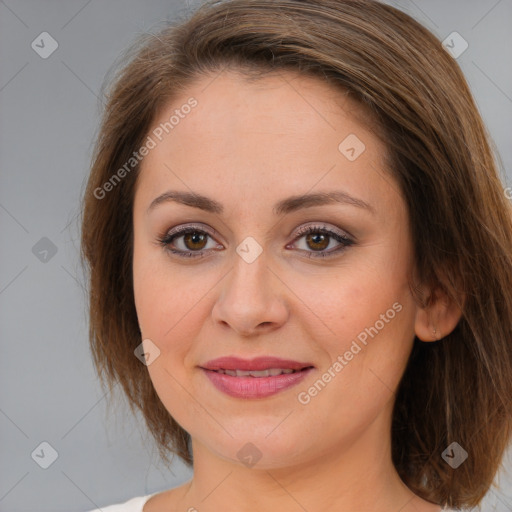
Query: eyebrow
{"x": 282, "y": 207}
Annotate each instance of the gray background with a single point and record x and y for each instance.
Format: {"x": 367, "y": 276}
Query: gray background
{"x": 49, "y": 112}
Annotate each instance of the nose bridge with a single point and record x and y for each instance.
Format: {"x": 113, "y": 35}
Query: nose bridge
{"x": 249, "y": 296}
{"x": 250, "y": 271}
{"x": 249, "y": 277}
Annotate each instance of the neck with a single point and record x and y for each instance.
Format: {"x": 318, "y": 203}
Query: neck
{"x": 360, "y": 476}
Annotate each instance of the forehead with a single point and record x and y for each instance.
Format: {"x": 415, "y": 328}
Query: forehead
{"x": 280, "y": 103}
{"x": 281, "y": 131}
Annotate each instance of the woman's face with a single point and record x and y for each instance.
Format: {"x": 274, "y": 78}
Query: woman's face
{"x": 256, "y": 285}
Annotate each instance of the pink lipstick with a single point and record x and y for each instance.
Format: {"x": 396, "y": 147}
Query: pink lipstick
{"x": 255, "y": 378}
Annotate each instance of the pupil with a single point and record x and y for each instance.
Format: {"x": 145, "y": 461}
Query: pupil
{"x": 318, "y": 239}
{"x": 195, "y": 238}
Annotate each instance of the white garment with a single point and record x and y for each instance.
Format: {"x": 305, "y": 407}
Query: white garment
{"x": 132, "y": 505}
{"x": 137, "y": 504}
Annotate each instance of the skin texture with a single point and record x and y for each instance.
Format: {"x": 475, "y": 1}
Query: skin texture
{"x": 248, "y": 146}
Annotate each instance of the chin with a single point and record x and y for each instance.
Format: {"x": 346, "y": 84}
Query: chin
{"x": 256, "y": 448}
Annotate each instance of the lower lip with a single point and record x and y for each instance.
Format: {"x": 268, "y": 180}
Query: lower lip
{"x": 255, "y": 387}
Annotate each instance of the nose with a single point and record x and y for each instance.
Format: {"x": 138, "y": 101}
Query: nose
{"x": 251, "y": 299}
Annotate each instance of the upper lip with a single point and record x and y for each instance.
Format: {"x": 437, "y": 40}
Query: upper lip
{"x": 258, "y": 363}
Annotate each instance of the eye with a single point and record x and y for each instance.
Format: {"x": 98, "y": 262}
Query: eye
{"x": 319, "y": 238}
{"x": 194, "y": 240}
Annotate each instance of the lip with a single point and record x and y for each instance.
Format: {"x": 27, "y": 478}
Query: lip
{"x": 256, "y": 364}
{"x": 254, "y": 387}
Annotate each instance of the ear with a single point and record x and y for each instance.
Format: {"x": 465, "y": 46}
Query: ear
{"x": 437, "y": 318}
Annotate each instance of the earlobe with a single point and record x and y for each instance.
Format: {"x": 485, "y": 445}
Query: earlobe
{"x": 438, "y": 319}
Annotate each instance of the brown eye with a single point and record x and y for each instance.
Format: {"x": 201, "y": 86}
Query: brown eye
{"x": 318, "y": 238}
{"x": 190, "y": 242}
{"x": 186, "y": 241}
{"x": 195, "y": 240}
{"x": 317, "y": 241}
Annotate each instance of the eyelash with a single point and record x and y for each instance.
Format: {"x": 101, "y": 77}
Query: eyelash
{"x": 166, "y": 239}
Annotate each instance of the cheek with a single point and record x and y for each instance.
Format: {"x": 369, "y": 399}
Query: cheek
{"x": 164, "y": 307}
{"x": 171, "y": 307}
{"x": 341, "y": 305}
{"x": 364, "y": 366}
{"x": 365, "y": 317}
{"x": 168, "y": 310}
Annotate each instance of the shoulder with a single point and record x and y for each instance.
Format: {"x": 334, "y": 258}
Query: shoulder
{"x": 166, "y": 500}
{"x": 132, "y": 505}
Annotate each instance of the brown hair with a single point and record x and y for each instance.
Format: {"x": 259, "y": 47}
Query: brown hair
{"x": 458, "y": 389}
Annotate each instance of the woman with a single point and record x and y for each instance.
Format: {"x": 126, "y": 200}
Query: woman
{"x": 300, "y": 261}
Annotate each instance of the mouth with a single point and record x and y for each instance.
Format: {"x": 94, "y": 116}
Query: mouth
{"x": 258, "y": 364}
{"x": 256, "y": 378}
{"x": 272, "y": 372}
